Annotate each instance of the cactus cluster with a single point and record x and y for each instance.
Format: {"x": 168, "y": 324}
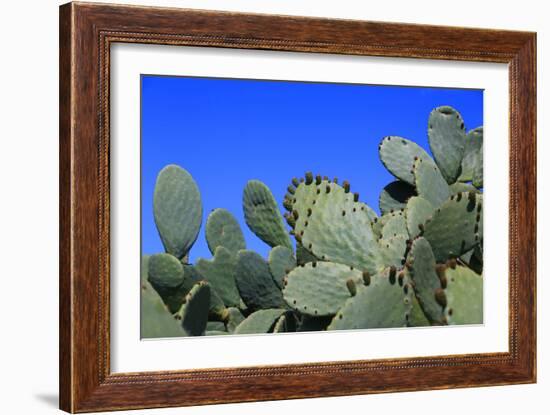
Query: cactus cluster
{"x": 419, "y": 263}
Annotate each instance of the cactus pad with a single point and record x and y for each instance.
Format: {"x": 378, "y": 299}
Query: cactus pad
{"x": 447, "y": 139}
{"x": 222, "y": 229}
{"x": 177, "y": 210}
{"x": 472, "y": 160}
{"x": 464, "y": 293}
{"x": 220, "y": 273}
{"x": 262, "y": 214}
{"x": 255, "y": 283}
{"x": 335, "y": 227}
{"x": 233, "y": 319}
{"x": 430, "y": 184}
{"x": 165, "y": 271}
{"x": 456, "y": 226}
{"x": 426, "y": 282}
{"x": 395, "y": 196}
{"x": 398, "y": 156}
{"x": 384, "y": 303}
{"x": 281, "y": 260}
{"x": 419, "y": 210}
{"x": 167, "y": 276}
{"x": 261, "y": 321}
{"x": 319, "y": 289}
{"x": 195, "y": 312}
{"x": 460, "y": 187}
{"x": 392, "y": 251}
{"x": 394, "y": 226}
{"x": 303, "y": 256}
{"x": 155, "y": 319}
{"x": 417, "y": 318}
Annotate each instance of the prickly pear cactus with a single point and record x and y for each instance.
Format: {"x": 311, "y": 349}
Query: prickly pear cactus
{"x": 419, "y": 263}
{"x": 178, "y": 210}
{"x": 222, "y": 229}
{"x": 262, "y": 214}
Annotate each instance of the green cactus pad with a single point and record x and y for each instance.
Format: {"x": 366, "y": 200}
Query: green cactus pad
{"x": 155, "y": 319}
{"x": 215, "y": 326}
{"x": 473, "y": 154}
{"x": 222, "y": 229}
{"x": 382, "y": 304}
{"x": 216, "y": 333}
{"x": 194, "y": 315}
{"x": 460, "y": 187}
{"x": 377, "y": 224}
{"x": 426, "y": 282}
{"x": 177, "y": 209}
{"x": 464, "y": 293}
{"x": 447, "y": 139}
{"x": 334, "y": 227}
{"x": 430, "y": 184}
{"x": 319, "y": 289}
{"x": 303, "y": 256}
{"x": 456, "y": 226}
{"x": 220, "y": 273}
{"x": 419, "y": 210}
{"x": 392, "y": 251}
{"x": 477, "y": 179}
{"x": 394, "y": 226}
{"x": 165, "y": 271}
{"x": 417, "y": 318}
{"x": 234, "y": 318}
{"x": 261, "y": 321}
{"x": 398, "y": 156}
{"x": 395, "y": 196}
{"x": 167, "y": 276}
{"x": 144, "y": 271}
{"x": 262, "y": 215}
{"x": 281, "y": 260}
{"x": 255, "y": 283}
{"x": 191, "y": 277}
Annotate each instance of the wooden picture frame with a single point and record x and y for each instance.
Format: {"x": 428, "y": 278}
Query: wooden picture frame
{"x": 86, "y": 33}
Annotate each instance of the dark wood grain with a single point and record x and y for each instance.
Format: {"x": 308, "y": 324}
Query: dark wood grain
{"x": 86, "y": 33}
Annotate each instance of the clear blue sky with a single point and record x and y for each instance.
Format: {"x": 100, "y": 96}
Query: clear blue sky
{"x": 228, "y": 131}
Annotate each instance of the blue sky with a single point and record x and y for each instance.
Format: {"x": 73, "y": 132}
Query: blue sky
{"x": 228, "y": 131}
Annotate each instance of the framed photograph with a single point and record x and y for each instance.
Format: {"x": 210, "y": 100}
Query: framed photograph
{"x": 259, "y": 207}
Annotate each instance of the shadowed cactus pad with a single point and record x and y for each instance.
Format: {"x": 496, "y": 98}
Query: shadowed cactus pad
{"x": 194, "y": 316}
{"x": 177, "y": 210}
{"x": 220, "y": 273}
{"x": 255, "y": 283}
{"x": 395, "y": 196}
